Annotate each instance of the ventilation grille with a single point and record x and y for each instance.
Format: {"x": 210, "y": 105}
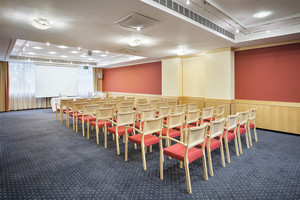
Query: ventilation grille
{"x": 128, "y": 50}
{"x": 136, "y": 20}
{"x": 55, "y": 61}
{"x": 194, "y": 16}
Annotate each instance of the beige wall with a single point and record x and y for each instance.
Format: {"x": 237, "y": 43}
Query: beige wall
{"x": 219, "y": 75}
{"x": 172, "y": 77}
{"x": 193, "y": 76}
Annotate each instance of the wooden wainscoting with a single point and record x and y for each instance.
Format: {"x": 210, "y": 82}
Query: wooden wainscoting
{"x": 278, "y": 116}
{"x": 187, "y": 100}
{"x": 219, "y": 102}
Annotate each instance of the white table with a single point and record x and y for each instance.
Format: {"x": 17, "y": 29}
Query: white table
{"x": 55, "y": 101}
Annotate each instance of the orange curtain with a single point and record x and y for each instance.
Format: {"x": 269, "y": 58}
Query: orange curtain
{"x": 4, "y": 86}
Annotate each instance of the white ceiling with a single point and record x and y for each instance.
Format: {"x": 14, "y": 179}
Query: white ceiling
{"x": 91, "y": 25}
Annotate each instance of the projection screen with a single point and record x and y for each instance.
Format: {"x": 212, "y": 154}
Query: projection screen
{"x": 50, "y": 81}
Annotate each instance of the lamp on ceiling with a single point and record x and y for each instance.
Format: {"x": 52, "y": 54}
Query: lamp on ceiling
{"x": 41, "y": 23}
{"x": 135, "y": 43}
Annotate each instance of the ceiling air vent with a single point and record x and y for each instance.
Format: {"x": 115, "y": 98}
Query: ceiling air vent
{"x": 136, "y": 21}
{"x": 128, "y": 50}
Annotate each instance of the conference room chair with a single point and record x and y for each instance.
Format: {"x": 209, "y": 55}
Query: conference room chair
{"x": 219, "y": 114}
{"x": 100, "y": 103}
{"x": 185, "y": 151}
{"x": 192, "y": 106}
{"x": 102, "y": 121}
{"x": 192, "y": 116}
{"x": 96, "y": 99}
{"x": 69, "y": 111}
{"x": 231, "y": 125}
{"x": 76, "y": 108}
{"x": 117, "y": 102}
{"x": 121, "y": 98}
{"x": 130, "y": 98}
{"x": 214, "y": 141}
{"x": 123, "y": 109}
{"x": 205, "y": 117}
{"x": 158, "y": 105}
{"x": 144, "y": 138}
{"x": 120, "y": 127}
{"x": 172, "y": 104}
{"x": 180, "y": 108}
{"x": 127, "y": 103}
{"x": 164, "y": 112}
{"x": 61, "y": 107}
{"x": 251, "y": 124}
{"x": 153, "y": 102}
{"x": 88, "y": 113}
{"x": 243, "y": 120}
{"x": 141, "y": 107}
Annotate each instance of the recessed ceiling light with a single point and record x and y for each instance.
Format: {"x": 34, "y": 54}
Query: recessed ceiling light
{"x": 48, "y": 43}
{"x": 268, "y": 31}
{"x": 103, "y": 55}
{"x": 41, "y": 23}
{"x": 237, "y": 30}
{"x": 134, "y": 43}
{"x": 37, "y": 47}
{"x": 31, "y": 53}
{"x": 74, "y": 52}
{"x": 106, "y": 52}
{"x": 188, "y": 2}
{"x": 79, "y": 48}
{"x": 96, "y": 51}
{"x": 27, "y": 44}
{"x": 52, "y": 52}
{"x": 262, "y": 14}
{"x": 91, "y": 59}
{"x": 83, "y": 56}
{"x": 63, "y": 56}
{"x": 138, "y": 28}
{"x": 63, "y": 47}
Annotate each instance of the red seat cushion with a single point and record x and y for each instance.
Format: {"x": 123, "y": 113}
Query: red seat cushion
{"x": 100, "y": 123}
{"x": 165, "y": 122}
{"x": 177, "y": 151}
{"x": 134, "y": 108}
{"x": 70, "y": 111}
{"x": 64, "y": 109}
{"x": 242, "y": 130}
{"x": 137, "y": 125}
{"x": 199, "y": 123}
{"x": 230, "y": 136}
{"x": 121, "y": 130}
{"x": 208, "y": 120}
{"x": 183, "y": 127}
{"x": 214, "y": 144}
{"x": 172, "y": 133}
{"x": 76, "y": 114}
{"x": 115, "y": 119}
{"x": 148, "y": 139}
{"x": 251, "y": 126}
{"x": 91, "y": 118}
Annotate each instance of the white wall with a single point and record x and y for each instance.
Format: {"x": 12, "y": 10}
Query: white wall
{"x": 193, "y": 76}
{"x": 172, "y": 77}
{"x": 219, "y": 75}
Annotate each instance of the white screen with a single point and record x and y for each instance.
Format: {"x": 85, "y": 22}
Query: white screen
{"x": 51, "y": 81}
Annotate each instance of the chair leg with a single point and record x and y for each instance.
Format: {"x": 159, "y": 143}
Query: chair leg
{"x": 222, "y": 155}
{"x": 113, "y": 136}
{"x": 227, "y": 150}
{"x": 150, "y": 148}
{"x": 146, "y": 150}
{"x": 82, "y": 125}
{"x": 204, "y": 166}
{"x": 124, "y": 139}
{"x": 211, "y": 173}
{"x": 240, "y": 144}
{"x": 105, "y": 137}
{"x": 126, "y": 146}
{"x": 161, "y": 159}
{"x": 56, "y": 114}
{"x": 88, "y": 129}
{"x": 180, "y": 164}
{"x": 117, "y": 143}
{"x": 97, "y": 134}
{"x": 247, "y": 139}
{"x": 250, "y": 139}
{"x": 236, "y": 147}
{"x": 144, "y": 157}
{"x": 76, "y": 125}
{"x": 187, "y": 175}
{"x": 255, "y": 134}
{"x": 73, "y": 124}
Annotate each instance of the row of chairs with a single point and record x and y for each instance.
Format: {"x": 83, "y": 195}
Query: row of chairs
{"x": 143, "y": 125}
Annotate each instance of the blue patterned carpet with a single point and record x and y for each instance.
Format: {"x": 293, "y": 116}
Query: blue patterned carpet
{"x": 41, "y": 159}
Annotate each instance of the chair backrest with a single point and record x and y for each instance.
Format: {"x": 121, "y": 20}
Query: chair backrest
{"x": 207, "y": 113}
{"x": 70, "y": 104}
{"x": 193, "y": 116}
{"x": 127, "y": 103}
{"x": 153, "y": 125}
{"x": 63, "y": 102}
{"x": 123, "y": 109}
{"x": 175, "y": 120}
{"x": 158, "y": 105}
{"x": 141, "y": 107}
{"x": 252, "y": 114}
{"x": 216, "y": 128}
{"x": 105, "y": 113}
{"x": 125, "y": 118}
{"x": 196, "y": 135}
{"x": 79, "y": 106}
{"x": 172, "y": 104}
{"x": 130, "y": 98}
{"x": 192, "y": 106}
{"x": 141, "y": 101}
{"x": 153, "y": 102}
{"x": 165, "y": 111}
{"x": 90, "y": 109}
{"x": 108, "y": 105}
{"x": 96, "y": 99}
{"x": 147, "y": 114}
{"x": 232, "y": 121}
{"x": 180, "y": 108}
{"x": 100, "y": 103}
{"x": 121, "y": 98}
{"x": 243, "y": 119}
{"x": 117, "y": 102}
{"x": 220, "y": 111}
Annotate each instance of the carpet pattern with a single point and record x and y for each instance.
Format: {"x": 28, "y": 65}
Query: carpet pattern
{"x": 41, "y": 159}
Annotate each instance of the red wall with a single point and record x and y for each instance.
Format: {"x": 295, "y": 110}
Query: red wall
{"x": 143, "y": 78}
{"x": 270, "y": 74}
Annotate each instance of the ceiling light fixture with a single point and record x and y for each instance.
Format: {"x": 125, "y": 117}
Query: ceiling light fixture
{"x": 74, "y": 52}
{"x": 37, "y": 47}
{"x": 106, "y": 52}
{"x": 262, "y": 14}
{"x": 27, "y": 44}
{"x": 96, "y": 51}
{"x": 268, "y": 31}
{"x": 63, "y": 56}
{"x": 48, "y": 43}
{"x": 237, "y": 30}
{"x": 41, "y": 23}
{"x": 103, "y": 55}
{"x": 135, "y": 43}
{"x": 63, "y": 47}
{"x": 79, "y": 48}
{"x": 52, "y": 52}
{"x": 188, "y": 2}
{"x": 138, "y": 28}
{"x": 30, "y": 53}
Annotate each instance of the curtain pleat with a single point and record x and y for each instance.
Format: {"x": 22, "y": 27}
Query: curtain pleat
{"x": 4, "y": 86}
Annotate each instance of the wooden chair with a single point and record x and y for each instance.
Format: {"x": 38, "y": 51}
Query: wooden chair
{"x": 121, "y": 126}
{"x": 191, "y": 117}
{"x": 77, "y": 110}
{"x": 117, "y": 102}
{"x": 88, "y": 113}
{"x": 153, "y": 102}
{"x": 139, "y": 109}
{"x": 243, "y": 120}
{"x": 100, "y": 103}
{"x": 172, "y": 103}
{"x": 145, "y": 137}
{"x": 121, "y": 98}
{"x": 206, "y": 116}
{"x": 186, "y": 151}
{"x": 216, "y": 131}
{"x": 127, "y": 103}
{"x": 180, "y": 108}
{"x": 158, "y": 105}
{"x": 102, "y": 117}
{"x": 123, "y": 109}
{"x": 69, "y": 111}
{"x": 165, "y": 112}
{"x": 62, "y": 109}
{"x": 251, "y": 124}
{"x": 230, "y": 134}
{"x": 145, "y": 114}
{"x": 130, "y": 98}
{"x": 219, "y": 114}
{"x": 192, "y": 106}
